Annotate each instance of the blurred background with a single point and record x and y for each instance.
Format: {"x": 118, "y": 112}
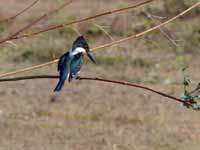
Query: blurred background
{"x": 92, "y": 115}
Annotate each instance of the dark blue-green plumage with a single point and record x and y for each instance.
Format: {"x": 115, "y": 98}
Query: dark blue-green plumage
{"x": 70, "y": 63}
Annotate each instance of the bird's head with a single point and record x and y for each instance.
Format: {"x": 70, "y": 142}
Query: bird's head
{"x": 80, "y": 45}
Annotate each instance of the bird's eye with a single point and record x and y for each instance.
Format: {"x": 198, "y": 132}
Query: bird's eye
{"x": 77, "y": 56}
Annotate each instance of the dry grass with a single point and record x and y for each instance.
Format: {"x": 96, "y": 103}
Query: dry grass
{"x": 91, "y": 115}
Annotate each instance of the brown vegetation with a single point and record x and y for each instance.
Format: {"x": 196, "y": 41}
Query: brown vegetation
{"x": 90, "y": 115}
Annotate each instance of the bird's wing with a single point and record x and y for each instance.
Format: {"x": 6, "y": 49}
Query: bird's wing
{"x": 64, "y": 73}
{"x": 63, "y": 59}
{"x": 64, "y": 68}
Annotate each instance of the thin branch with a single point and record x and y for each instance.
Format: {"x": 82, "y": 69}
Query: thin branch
{"x": 102, "y": 29}
{"x": 59, "y": 8}
{"x": 16, "y": 34}
{"x": 107, "y": 45}
{"x": 12, "y": 37}
{"x": 29, "y": 68}
{"x": 158, "y": 17}
{"x": 19, "y": 13}
{"x": 149, "y": 30}
{"x": 162, "y": 30}
{"x": 168, "y": 37}
{"x": 124, "y": 83}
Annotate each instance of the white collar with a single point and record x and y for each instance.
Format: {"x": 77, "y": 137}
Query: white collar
{"x": 78, "y": 50}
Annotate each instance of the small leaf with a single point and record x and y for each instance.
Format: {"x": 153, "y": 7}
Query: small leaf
{"x": 186, "y": 81}
{"x": 196, "y": 107}
{"x": 183, "y": 69}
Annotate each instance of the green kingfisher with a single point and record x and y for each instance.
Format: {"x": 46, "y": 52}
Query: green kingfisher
{"x": 70, "y": 63}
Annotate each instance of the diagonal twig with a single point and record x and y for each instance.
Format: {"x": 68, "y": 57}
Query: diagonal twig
{"x": 19, "y": 13}
{"x": 109, "y": 44}
{"x": 149, "y": 30}
{"x": 12, "y": 37}
{"x": 104, "y": 31}
{"x": 16, "y": 34}
{"x": 162, "y": 30}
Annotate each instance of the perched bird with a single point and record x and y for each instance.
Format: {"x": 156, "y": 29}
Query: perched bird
{"x": 70, "y": 63}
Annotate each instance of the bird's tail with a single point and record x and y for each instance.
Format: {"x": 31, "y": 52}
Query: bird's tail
{"x": 63, "y": 75}
{"x": 59, "y": 86}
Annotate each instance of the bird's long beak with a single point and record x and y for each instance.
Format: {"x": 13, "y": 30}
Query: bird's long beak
{"x": 91, "y": 56}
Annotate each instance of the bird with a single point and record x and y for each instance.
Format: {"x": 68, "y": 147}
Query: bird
{"x": 70, "y": 63}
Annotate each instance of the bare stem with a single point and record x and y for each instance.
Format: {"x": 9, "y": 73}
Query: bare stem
{"x": 106, "y": 45}
{"x": 124, "y": 83}
{"x": 13, "y": 36}
{"x": 165, "y": 31}
{"x": 16, "y": 34}
{"x": 19, "y": 13}
{"x": 149, "y": 30}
